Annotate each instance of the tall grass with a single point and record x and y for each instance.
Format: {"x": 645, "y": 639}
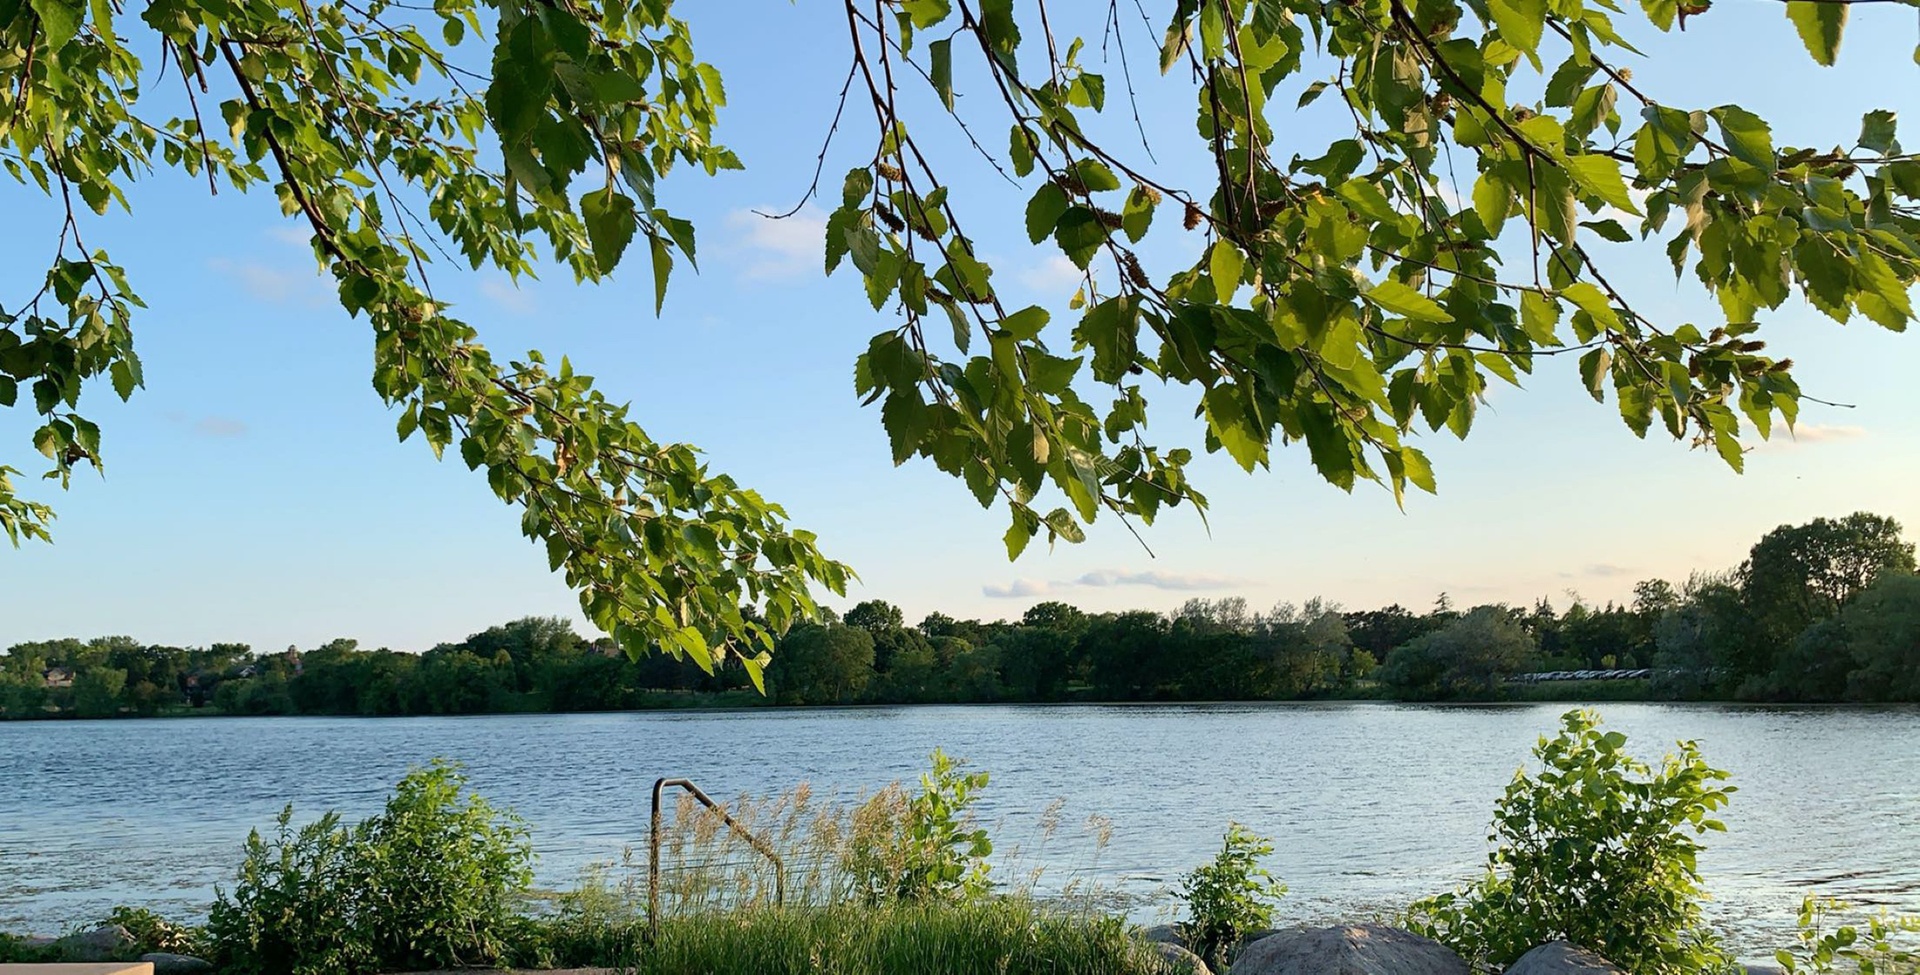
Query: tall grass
{"x": 997, "y": 936}
{"x": 832, "y": 849}
{"x": 719, "y": 912}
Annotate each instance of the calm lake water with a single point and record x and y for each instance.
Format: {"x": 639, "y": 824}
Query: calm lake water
{"x": 1370, "y": 805}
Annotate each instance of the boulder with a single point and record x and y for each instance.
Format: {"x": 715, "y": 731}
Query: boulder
{"x": 1348, "y": 949}
{"x": 100, "y": 944}
{"x": 1175, "y": 960}
{"x": 1563, "y": 958}
{"x": 1165, "y": 934}
{"x": 165, "y": 963}
{"x": 1761, "y": 970}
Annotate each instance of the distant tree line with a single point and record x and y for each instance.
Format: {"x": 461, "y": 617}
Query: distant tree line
{"x": 1826, "y": 611}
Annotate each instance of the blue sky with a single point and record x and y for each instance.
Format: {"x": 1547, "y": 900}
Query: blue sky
{"x": 255, "y": 491}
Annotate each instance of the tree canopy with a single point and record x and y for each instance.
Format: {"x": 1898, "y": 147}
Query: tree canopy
{"x": 1343, "y": 294}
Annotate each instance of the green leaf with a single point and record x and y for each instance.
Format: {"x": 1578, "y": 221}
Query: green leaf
{"x": 1592, "y": 301}
{"x": 1747, "y": 136}
{"x": 1025, "y": 525}
{"x": 1225, "y": 263}
{"x": 1520, "y": 22}
{"x": 59, "y": 21}
{"x": 1138, "y": 214}
{"x": 1661, "y": 12}
{"x": 1492, "y": 200}
{"x": 126, "y": 378}
{"x": 926, "y": 13}
{"x": 1061, "y": 524}
{"x": 1227, "y": 421}
{"x": 1877, "y": 132}
{"x": 103, "y": 19}
{"x": 1044, "y": 210}
{"x": 1400, "y": 299}
{"x": 858, "y": 185}
{"x": 1593, "y": 372}
{"x": 1608, "y": 229}
{"x": 1025, "y": 324}
{"x": 662, "y": 267}
{"x": 1600, "y": 176}
{"x": 611, "y": 221}
{"x": 1539, "y": 316}
{"x": 1080, "y": 234}
{"x": 1820, "y": 24}
{"x": 940, "y": 69}
{"x": 1364, "y": 197}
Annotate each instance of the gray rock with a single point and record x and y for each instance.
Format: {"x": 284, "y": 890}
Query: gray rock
{"x": 1762, "y": 970}
{"x": 1174, "y": 960}
{"x": 100, "y": 944}
{"x": 1348, "y": 949}
{"x": 1563, "y": 958}
{"x": 169, "y": 964}
{"x": 1165, "y": 934}
{"x": 1252, "y": 936}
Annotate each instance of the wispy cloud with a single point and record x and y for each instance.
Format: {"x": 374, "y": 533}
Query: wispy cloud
{"x": 221, "y": 427}
{"x": 270, "y": 283}
{"x": 1113, "y": 578}
{"x": 1053, "y": 277}
{"x": 507, "y": 295}
{"x": 298, "y": 235}
{"x": 785, "y": 249}
{"x": 1810, "y": 435}
{"x": 210, "y": 426}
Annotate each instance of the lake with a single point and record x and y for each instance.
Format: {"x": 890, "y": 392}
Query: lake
{"x": 1369, "y": 805}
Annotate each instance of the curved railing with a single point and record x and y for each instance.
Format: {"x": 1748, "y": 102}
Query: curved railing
{"x": 653, "y": 850}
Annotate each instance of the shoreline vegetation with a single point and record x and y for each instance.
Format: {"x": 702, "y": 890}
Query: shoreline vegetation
{"x": 903, "y": 880}
{"x": 1828, "y": 611}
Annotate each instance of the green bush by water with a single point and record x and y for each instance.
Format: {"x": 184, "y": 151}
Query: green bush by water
{"x": 430, "y": 882}
{"x": 1597, "y": 849}
{"x": 1882, "y": 944}
{"x": 1230, "y": 897}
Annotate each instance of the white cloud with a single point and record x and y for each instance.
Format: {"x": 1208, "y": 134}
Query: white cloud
{"x": 506, "y": 294}
{"x": 211, "y": 426}
{"x": 1826, "y": 433}
{"x": 266, "y": 282}
{"x": 1018, "y": 588}
{"x": 222, "y": 427}
{"x": 1111, "y": 578}
{"x": 1055, "y": 276}
{"x": 783, "y": 249}
{"x": 1808, "y": 435}
{"x": 297, "y": 234}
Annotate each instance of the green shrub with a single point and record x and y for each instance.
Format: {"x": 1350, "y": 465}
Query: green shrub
{"x": 932, "y": 850}
{"x": 14, "y": 949}
{"x": 151, "y": 932}
{"x": 1598, "y": 849}
{"x": 430, "y": 882}
{"x": 1887, "y": 946}
{"x": 1230, "y": 897}
{"x": 599, "y": 924}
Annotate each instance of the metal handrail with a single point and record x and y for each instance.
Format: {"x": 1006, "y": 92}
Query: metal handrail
{"x": 653, "y": 850}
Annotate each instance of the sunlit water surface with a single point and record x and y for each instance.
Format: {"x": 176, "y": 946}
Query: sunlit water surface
{"x": 1370, "y": 805}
